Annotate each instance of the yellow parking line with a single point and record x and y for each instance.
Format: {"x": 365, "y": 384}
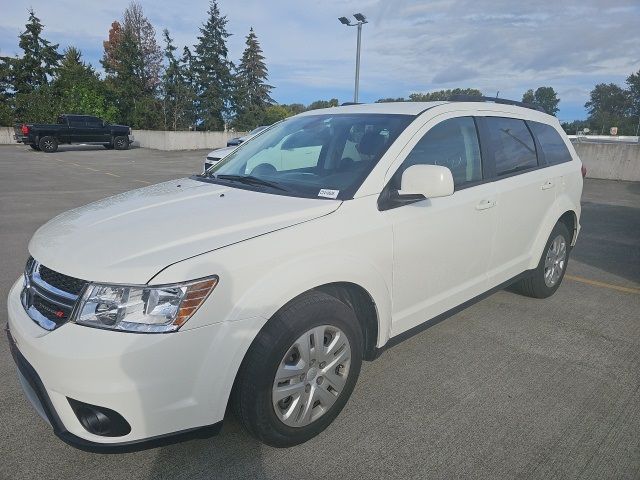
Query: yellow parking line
{"x": 112, "y": 174}
{"x": 596, "y": 283}
{"x": 141, "y": 181}
{"x": 92, "y": 169}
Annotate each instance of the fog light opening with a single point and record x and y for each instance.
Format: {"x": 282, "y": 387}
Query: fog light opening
{"x": 100, "y": 421}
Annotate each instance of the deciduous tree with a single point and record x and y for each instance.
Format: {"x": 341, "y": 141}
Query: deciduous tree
{"x": 545, "y": 97}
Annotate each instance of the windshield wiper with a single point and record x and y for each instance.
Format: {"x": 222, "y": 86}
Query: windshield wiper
{"x": 251, "y": 180}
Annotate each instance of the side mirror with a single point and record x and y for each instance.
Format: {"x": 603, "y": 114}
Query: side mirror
{"x": 428, "y": 180}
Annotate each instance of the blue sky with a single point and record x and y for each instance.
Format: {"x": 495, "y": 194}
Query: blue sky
{"x": 408, "y": 46}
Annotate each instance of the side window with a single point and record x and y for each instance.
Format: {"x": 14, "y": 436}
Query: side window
{"x": 452, "y": 144}
{"x": 93, "y": 122}
{"x": 75, "y": 121}
{"x": 553, "y": 147}
{"x": 512, "y": 144}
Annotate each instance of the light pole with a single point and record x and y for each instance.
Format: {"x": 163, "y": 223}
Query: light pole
{"x": 360, "y": 20}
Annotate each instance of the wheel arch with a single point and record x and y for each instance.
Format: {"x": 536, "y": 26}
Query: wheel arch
{"x": 563, "y": 211}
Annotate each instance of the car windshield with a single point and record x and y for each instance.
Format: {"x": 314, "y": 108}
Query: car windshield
{"x": 256, "y": 130}
{"x": 325, "y": 156}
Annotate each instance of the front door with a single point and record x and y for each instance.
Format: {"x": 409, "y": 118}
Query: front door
{"x": 442, "y": 246}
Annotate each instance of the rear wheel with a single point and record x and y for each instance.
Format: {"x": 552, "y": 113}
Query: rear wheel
{"x": 548, "y": 275}
{"x": 300, "y": 370}
{"x": 34, "y": 146}
{"x": 121, "y": 143}
{"x": 48, "y": 144}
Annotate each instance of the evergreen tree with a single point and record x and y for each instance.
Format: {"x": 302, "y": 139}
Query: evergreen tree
{"x": 212, "y": 71}
{"x": 252, "y": 94}
{"x": 6, "y": 91}
{"x": 39, "y": 60}
{"x": 176, "y": 89}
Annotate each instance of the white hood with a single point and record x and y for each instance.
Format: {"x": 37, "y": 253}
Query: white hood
{"x": 130, "y": 237}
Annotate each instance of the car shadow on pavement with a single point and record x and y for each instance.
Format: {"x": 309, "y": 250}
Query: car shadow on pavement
{"x": 233, "y": 453}
{"x": 610, "y": 239}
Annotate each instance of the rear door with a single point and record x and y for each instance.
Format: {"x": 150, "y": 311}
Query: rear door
{"x": 95, "y": 131}
{"x": 526, "y": 191}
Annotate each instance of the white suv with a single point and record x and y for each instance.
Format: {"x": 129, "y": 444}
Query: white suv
{"x": 264, "y": 283}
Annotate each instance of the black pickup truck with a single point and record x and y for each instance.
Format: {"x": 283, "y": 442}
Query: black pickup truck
{"x": 73, "y": 129}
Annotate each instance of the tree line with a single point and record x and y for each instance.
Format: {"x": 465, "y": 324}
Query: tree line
{"x": 143, "y": 85}
{"x": 150, "y": 87}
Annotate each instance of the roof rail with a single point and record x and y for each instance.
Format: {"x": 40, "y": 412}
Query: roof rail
{"x": 504, "y": 101}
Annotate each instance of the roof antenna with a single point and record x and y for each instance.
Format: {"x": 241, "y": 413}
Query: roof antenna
{"x": 497, "y": 93}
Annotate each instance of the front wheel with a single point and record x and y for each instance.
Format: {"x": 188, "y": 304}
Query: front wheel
{"x": 548, "y": 275}
{"x": 300, "y": 370}
{"x": 48, "y": 144}
{"x": 121, "y": 143}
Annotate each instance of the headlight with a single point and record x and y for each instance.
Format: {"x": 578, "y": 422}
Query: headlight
{"x": 152, "y": 309}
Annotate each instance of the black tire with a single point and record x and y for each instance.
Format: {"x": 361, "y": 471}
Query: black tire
{"x": 252, "y": 392}
{"x": 34, "y": 147}
{"x": 48, "y": 144}
{"x": 535, "y": 286}
{"x": 121, "y": 143}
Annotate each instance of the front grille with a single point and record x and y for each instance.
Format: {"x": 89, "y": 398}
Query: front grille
{"x": 57, "y": 313}
{"x": 60, "y": 281}
{"x": 49, "y": 297}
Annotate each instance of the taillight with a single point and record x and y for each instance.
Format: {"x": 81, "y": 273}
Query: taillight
{"x": 25, "y": 129}
{"x": 584, "y": 171}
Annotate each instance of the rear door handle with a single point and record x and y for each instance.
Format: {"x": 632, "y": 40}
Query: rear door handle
{"x": 485, "y": 204}
{"x": 547, "y": 185}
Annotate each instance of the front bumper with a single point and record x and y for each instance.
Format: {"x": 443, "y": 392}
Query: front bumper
{"x": 166, "y": 386}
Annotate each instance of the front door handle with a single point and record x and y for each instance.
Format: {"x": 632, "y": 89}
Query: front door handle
{"x": 547, "y": 185}
{"x": 485, "y": 204}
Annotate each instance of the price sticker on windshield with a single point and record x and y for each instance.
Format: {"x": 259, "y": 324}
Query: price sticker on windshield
{"x": 326, "y": 193}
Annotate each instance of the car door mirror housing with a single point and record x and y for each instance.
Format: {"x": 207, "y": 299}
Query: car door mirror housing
{"x": 430, "y": 181}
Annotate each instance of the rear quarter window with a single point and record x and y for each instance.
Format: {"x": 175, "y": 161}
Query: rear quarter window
{"x": 554, "y": 149}
{"x": 512, "y": 144}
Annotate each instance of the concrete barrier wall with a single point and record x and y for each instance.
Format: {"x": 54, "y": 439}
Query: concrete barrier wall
{"x": 163, "y": 140}
{"x": 610, "y": 161}
{"x": 614, "y": 161}
{"x": 6, "y": 135}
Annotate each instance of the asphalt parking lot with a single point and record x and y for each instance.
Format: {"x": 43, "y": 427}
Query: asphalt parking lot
{"x": 511, "y": 387}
